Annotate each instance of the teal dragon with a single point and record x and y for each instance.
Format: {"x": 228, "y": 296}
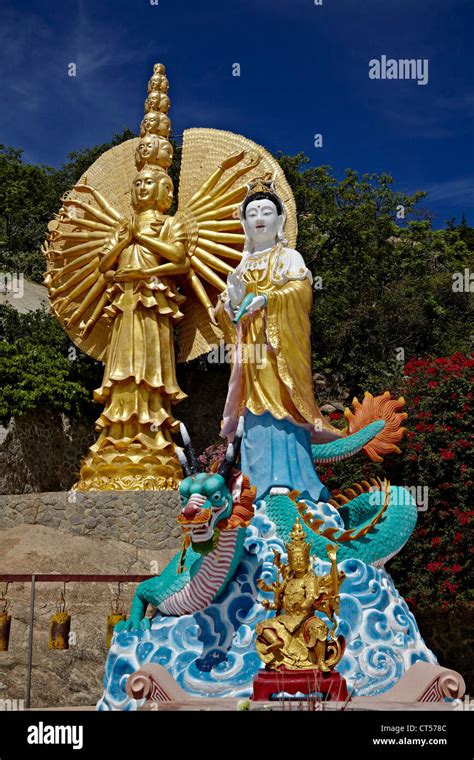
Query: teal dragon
{"x": 370, "y": 522}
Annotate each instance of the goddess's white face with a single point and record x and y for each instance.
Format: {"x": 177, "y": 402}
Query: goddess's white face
{"x": 262, "y": 221}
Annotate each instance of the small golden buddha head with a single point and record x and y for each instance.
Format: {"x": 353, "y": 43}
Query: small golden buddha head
{"x": 298, "y": 549}
{"x": 153, "y": 149}
{"x": 158, "y": 83}
{"x": 157, "y": 101}
{"x": 155, "y": 123}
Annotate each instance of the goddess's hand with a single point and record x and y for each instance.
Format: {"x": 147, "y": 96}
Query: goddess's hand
{"x": 235, "y": 289}
{"x": 126, "y": 275}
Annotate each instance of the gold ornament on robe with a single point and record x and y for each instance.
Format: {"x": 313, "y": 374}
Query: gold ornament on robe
{"x": 296, "y": 638}
{"x": 120, "y": 279}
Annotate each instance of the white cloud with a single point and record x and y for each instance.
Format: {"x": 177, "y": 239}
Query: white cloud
{"x": 452, "y": 190}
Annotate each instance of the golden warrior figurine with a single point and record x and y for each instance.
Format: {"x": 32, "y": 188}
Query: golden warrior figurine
{"x": 296, "y": 638}
{"x": 120, "y": 280}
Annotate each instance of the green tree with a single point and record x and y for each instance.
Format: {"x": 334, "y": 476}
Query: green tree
{"x": 386, "y": 278}
{"x": 41, "y": 369}
{"x": 29, "y": 197}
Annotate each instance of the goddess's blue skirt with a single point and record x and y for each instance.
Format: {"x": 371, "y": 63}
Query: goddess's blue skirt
{"x": 278, "y": 453}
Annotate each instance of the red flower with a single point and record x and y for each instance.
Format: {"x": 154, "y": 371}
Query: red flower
{"x": 456, "y": 568}
{"x": 432, "y": 384}
{"x": 452, "y": 587}
{"x": 435, "y": 541}
{"x": 433, "y": 567}
{"x": 446, "y": 454}
{"x": 335, "y": 415}
{"x": 457, "y": 537}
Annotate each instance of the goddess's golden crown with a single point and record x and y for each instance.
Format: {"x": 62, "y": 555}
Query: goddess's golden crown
{"x": 262, "y": 184}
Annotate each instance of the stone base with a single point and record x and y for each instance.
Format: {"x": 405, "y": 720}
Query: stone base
{"x": 331, "y": 685}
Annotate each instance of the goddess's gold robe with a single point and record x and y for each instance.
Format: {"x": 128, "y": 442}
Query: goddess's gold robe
{"x": 139, "y": 384}
{"x": 280, "y": 333}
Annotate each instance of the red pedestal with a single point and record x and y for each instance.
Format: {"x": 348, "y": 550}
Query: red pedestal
{"x": 267, "y": 682}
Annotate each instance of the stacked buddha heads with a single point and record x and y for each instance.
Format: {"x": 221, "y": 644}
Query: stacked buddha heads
{"x": 154, "y": 152}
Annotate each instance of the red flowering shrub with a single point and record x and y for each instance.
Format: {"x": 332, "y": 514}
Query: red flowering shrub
{"x": 214, "y": 453}
{"x": 435, "y": 567}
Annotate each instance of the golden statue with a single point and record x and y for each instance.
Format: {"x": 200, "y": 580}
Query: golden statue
{"x": 118, "y": 279}
{"x": 296, "y": 638}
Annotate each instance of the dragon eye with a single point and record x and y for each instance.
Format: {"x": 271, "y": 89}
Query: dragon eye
{"x": 217, "y": 496}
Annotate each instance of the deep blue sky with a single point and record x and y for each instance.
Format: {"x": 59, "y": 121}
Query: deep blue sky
{"x": 304, "y": 70}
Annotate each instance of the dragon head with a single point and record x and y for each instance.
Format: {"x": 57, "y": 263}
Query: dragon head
{"x": 213, "y": 501}
{"x": 205, "y": 500}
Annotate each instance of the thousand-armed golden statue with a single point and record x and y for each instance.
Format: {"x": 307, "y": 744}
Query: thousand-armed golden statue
{"x": 120, "y": 279}
{"x": 296, "y": 638}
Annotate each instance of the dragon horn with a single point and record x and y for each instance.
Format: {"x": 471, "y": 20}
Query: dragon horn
{"x": 225, "y": 468}
{"x": 183, "y": 461}
{"x": 232, "y": 451}
{"x": 188, "y": 449}
{"x": 238, "y": 438}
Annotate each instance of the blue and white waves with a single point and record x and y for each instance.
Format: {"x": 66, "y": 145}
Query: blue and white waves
{"x": 212, "y": 653}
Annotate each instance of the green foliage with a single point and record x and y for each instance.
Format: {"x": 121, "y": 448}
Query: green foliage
{"x": 29, "y": 196}
{"x": 385, "y": 286}
{"x": 435, "y": 567}
{"x": 41, "y": 368}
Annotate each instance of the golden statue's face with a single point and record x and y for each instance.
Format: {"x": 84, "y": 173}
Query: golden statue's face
{"x": 155, "y": 123}
{"x": 152, "y": 190}
{"x": 147, "y": 147}
{"x": 144, "y": 190}
{"x": 155, "y": 150}
{"x": 298, "y": 561}
{"x": 152, "y": 102}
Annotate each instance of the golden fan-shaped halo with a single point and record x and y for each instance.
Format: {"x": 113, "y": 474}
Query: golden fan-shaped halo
{"x": 112, "y": 175}
{"x": 204, "y": 149}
